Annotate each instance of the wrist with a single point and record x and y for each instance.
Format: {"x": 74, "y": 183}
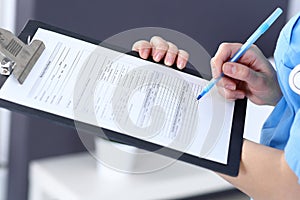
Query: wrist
{"x": 276, "y": 94}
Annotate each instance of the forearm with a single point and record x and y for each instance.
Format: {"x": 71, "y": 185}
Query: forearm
{"x": 264, "y": 174}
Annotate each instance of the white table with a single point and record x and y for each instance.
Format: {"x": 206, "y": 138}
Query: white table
{"x": 75, "y": 177}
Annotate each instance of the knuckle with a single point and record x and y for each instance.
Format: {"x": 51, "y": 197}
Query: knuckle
{"x": 261, "y": 82}
{"x": 224, "y": 45}
{"x": 254, "y": 46}
{"x": 221, "y": 91}
{"x": 230, "y": 95}
{"x": 246, "y": 74}
{"x": 225, "y": 93}
{"x": 213, "y": 65}
{"x": 212, "y": 61}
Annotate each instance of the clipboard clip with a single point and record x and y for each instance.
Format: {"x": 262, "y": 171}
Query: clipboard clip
{"x": 17, "y": 57}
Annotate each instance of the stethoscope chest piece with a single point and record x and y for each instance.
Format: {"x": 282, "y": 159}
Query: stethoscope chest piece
{"x": 294, "y": 79}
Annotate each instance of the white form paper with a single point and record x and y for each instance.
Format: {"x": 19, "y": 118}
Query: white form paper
{"x": 102, "y": 87}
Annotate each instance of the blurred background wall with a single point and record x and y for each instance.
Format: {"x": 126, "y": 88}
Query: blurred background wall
{"x": 7, "y": 21}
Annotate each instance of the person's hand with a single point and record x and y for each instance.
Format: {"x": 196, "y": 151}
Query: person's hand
{"x": 252, "y": 76}
{"x": 161, "y": 49}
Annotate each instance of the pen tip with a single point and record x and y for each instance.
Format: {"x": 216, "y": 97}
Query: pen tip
{"x": 199, "y": 97}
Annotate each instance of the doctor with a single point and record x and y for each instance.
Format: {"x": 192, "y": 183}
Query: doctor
{"x": 270, "y": 170}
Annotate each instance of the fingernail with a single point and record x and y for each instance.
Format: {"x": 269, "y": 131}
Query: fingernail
{"x": 169, "y": 60}
{"x": 229, "y": 69}
{"x": 230, "y": 87}
{"x": 181, "y": 64}
{"x": 157, "y": 57}
{"x": 233, "y": 69}
{"x": 145, "y": 53}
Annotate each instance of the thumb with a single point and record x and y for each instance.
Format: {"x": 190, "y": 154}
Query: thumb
{"x": 240, "y": 72}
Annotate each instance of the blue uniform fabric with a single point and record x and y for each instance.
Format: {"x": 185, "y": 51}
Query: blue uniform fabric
{"x": 282, "y": 128}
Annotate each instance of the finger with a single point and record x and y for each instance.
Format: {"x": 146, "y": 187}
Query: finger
{"x": 159, "y": 48}
{"x": 228, "y": 88}
{"x": 241, "y": 72}
{"x": 223, "y": 54}
{"x": 231, "y": 94}
{"x": 216, "y": 70}
{"x": 182, "y": 58}
{"x": 171, "y": 54}
{"x": 227, "y": 83}
{"x": 143, "y": 47}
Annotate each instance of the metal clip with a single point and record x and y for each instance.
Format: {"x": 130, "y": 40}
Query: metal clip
{"x": 17, "y": 57}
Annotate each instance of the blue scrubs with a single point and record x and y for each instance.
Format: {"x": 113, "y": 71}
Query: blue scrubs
{"x": 282, "y": 128}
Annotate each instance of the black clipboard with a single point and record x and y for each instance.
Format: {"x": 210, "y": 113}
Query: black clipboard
{"x": 237, "y": 129}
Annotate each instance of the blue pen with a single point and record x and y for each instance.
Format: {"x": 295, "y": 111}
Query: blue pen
{"x": 260, "y": 30}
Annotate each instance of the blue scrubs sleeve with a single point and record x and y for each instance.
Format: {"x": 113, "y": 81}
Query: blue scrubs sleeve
{"x": 282, "y": 128}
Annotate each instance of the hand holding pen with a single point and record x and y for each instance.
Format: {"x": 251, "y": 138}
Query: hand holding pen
{"x": 253, "y": 76}
{"x": 242, "y": 50}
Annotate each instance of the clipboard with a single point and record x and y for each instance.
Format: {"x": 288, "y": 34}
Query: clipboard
{"x": 237, "y": 127}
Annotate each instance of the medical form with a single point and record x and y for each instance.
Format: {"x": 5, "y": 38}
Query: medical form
{"x": 102, "y": 87}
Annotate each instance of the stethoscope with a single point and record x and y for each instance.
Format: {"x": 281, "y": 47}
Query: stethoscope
{"x": 294, "y": 79}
